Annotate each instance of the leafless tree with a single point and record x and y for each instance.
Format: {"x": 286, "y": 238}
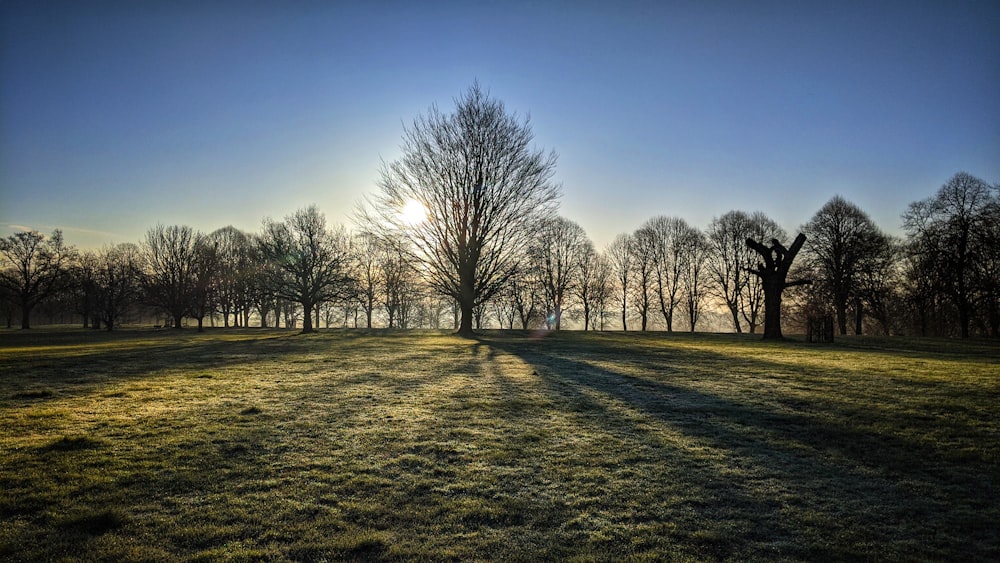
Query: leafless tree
{"x": 952, "y": 234}
{"x": 620, "y": 257}
{"x": 729, "y": 260}
{"x": 234, "y": 274}
{"x": 205, "y": 279}
{"x": 643, "y": 252}
{"x": 555, "y": 256}
{"x": 310, "y": 261}
{"x": 841, "y": 238}
{"x": 668, "y": 239}
{"x": 483, "y": 187}
{"x": 693, "y": 257}
{"x": 593, "y": 288}
{"x": 34, "y": 268}
{"x": 168, "y": 274}
{"x": 365, "y": 250}
{"x": 117, "y": 282}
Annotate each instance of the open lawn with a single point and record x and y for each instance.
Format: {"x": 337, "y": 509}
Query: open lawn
{"x": 257, "y": 444}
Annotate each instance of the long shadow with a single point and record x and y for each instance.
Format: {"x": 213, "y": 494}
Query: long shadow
{"x": 872, "y": 477}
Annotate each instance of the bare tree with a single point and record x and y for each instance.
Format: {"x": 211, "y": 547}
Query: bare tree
{"x": 619, "y": 254}
{"x": 482, "y": 187}
{"x": 555, "y": 254}
{"x": 310, "y": 261}
{"x": 841, "y": 237}
{"x": 951, "y": 233}
{"x": 729, "y": 260}
{"x": 773, "y": 272}
{"x": 34, "y": 268}
{"x": 169, "y": 261}
{"x": 594, "y": 285}
{"x": 365, "y": 249}
{"x": 668, "y": 238}
{"x": 643, "y": 252}
{"x": 117, "y": 282}
{"x": 694, "y": 254}
{"x": 205, "y": 278}
{"x": 234, "y": 274}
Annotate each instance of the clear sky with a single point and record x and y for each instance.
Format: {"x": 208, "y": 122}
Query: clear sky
{"x": 115, "y": 116}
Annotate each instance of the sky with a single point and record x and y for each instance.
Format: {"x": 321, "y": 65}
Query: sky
{"x": 117, "y": 116}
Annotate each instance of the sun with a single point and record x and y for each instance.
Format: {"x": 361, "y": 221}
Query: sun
{"x": 413, "y": 212}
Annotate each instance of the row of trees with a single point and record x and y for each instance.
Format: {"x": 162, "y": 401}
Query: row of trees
{"x": 465, "y": 225}
{"x": 944, "y": 278}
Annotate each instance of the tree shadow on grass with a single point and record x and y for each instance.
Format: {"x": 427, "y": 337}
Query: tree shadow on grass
{"x": 816, "y": 483}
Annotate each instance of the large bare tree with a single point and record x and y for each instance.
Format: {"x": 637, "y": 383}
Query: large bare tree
{"x": 482, "y": 187}
{"x": 310, "y": 261}
{"x": 33, "y": 268}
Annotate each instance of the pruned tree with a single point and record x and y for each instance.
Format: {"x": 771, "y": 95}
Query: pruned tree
{"x": 310, "y": 262}
{"x": 34, "y": 268}
{"x": 773, "y": 273}
{"x": 619, "y": 254}
{"x": 752, "y": 303}
{"x": 482, "y": 187}
{"x": 555, "y": 257}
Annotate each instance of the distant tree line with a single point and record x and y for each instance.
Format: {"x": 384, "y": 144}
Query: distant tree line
{"x": 488, "y": 249}
{"x": 942, "y": 279}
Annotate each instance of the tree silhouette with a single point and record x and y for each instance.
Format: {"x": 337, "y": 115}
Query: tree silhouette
{"x": 773, "y": 272}
{"x": 483, "y": 187}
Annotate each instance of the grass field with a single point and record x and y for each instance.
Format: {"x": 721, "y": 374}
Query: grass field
{"x": 256, "y": 444}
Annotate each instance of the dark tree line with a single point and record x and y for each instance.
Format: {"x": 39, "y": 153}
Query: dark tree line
{"x": 464, "y": 233}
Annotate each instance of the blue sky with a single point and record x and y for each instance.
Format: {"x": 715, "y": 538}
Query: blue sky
{"x": 116, "y": 116}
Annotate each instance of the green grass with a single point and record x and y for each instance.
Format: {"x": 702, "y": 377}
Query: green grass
{"x": 256, "y": 444}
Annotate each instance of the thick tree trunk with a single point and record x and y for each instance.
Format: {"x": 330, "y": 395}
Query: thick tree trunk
{"x": 307, "y": 323}
{"x": 859, "y": 313}
{"x": 772, "y": 310}
{"x": 465, "y": 324}
{"x": 177, "y": 321}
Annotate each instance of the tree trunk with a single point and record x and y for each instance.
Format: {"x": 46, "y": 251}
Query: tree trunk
{"x": 25, "y": 317}
{"x": 772, "y": 310}
{"x": 177, "y": 321}
{"x": 307, "y": 322}
{"x": 859, "y": 312}
{"x": 465, "y": 325}
{"x": 201, "y": 324}
{"x": 736, "y": 319}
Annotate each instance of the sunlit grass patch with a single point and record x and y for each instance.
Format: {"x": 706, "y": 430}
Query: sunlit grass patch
{"x": 249, "y": 445}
